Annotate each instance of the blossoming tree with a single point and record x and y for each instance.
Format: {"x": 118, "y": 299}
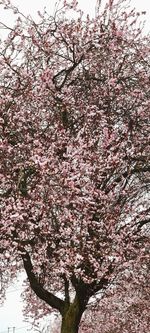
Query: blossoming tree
{"x": 75, "y": 98}
{"x": 126, "y": 307}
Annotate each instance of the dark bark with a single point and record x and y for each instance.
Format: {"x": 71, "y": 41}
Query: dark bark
{"x": 71, "y": 312}
{"x": 72, "y": 316}
{"x": 52, "y": 300}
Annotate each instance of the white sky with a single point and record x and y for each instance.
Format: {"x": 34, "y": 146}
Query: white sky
{"x": 11, "y": 312}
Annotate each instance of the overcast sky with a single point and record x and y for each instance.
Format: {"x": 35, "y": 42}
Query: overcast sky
{"x": 11, "y": 312}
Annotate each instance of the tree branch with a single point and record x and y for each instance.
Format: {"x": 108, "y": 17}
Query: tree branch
{"x": 42, "y": 293}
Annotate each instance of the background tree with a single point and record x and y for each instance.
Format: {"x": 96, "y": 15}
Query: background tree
{"x": 126, "y": 307}
{"x": 75, "y": 100}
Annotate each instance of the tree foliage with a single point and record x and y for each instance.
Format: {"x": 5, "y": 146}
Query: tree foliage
{"x": 75, "y": 100}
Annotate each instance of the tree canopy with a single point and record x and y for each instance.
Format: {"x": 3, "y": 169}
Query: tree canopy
{"x": 74, "y": 110}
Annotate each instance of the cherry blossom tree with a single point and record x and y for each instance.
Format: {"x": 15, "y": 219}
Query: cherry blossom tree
{"x": 75, "y": 100}
{"x": 126, "y": 307}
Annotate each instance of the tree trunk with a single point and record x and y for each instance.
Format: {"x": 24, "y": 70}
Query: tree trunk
{"x": 71, "y": 318}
